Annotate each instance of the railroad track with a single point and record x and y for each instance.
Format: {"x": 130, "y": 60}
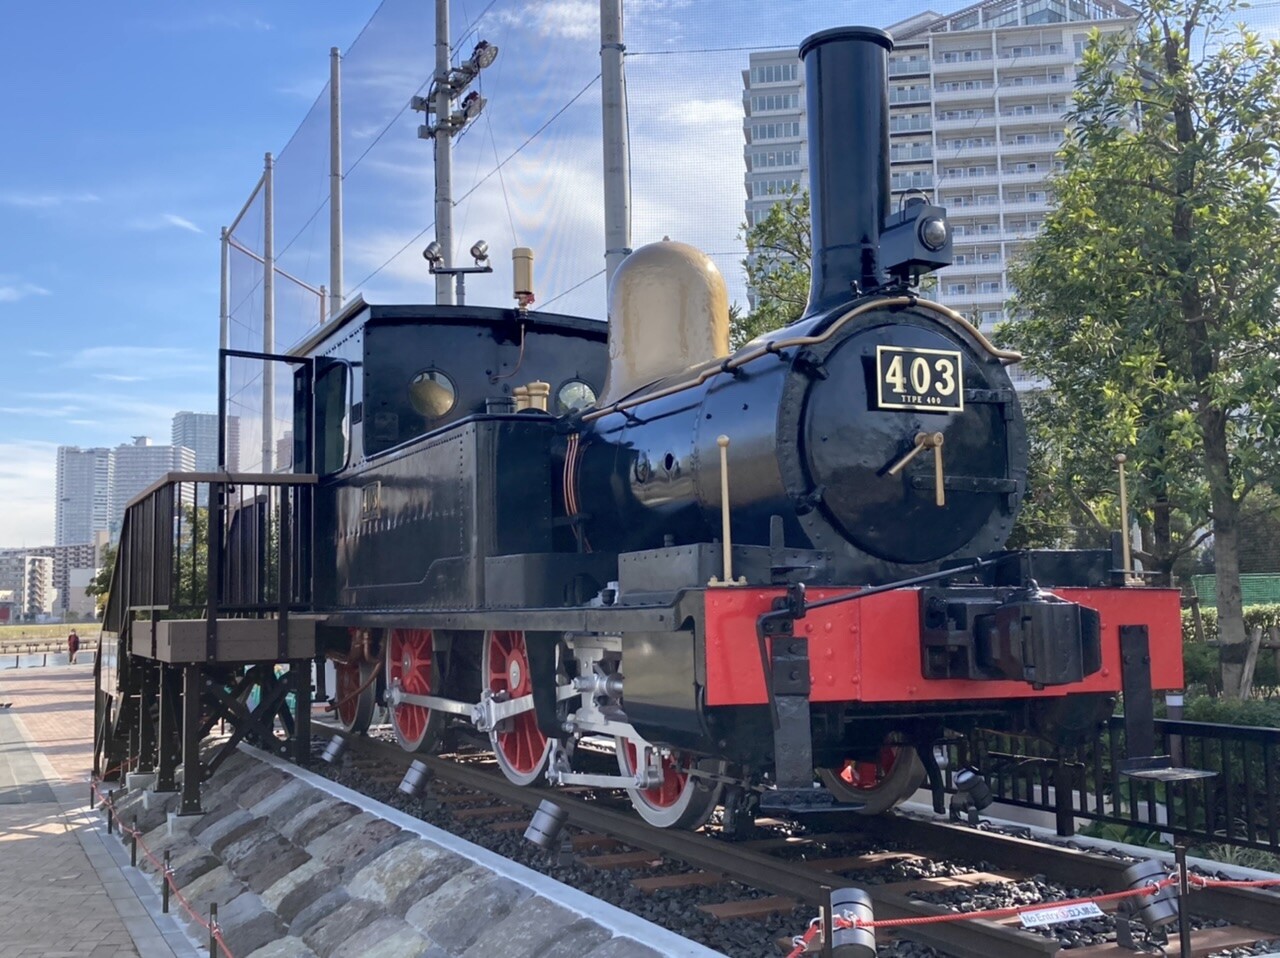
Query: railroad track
{"x": 794, "y": 874}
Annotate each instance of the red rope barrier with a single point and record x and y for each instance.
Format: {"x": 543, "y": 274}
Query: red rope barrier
{"x": 136, "y": 835}
{"x": 801, "y": 942}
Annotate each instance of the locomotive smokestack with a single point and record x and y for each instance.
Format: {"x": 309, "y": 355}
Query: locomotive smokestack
{"x": 846, "y": 72}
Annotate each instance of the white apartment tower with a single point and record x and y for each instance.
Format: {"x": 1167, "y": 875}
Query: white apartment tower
{"x": 83, "y": 488}
{"x": 198, "y": 431}
{"x": 138, "y": 465}
{"x": 977, "y": 104}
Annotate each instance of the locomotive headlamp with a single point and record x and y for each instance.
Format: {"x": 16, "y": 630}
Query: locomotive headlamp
{"x": 934, "y": 233}
{"x": 916, "y": 239}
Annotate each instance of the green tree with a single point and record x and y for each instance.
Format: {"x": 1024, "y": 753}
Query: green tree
{"x": 779, "y": 248}
{"x": 100, "y": 585}
{"x": 1149, "y": 302}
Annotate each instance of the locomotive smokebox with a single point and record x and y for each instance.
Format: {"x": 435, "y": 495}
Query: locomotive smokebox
{"x": 846, "y": 72}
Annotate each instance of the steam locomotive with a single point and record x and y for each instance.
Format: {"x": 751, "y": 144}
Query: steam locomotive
{"x": 769, "y": 577}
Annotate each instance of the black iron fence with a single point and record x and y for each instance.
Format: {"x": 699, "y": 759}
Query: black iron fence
{"x": 1239, "y": 804}
{"x": 214, "y": 543}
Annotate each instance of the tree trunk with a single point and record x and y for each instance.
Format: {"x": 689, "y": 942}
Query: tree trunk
{"x": 1233, "y": 643}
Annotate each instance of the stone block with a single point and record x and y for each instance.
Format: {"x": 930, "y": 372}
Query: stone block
{"x": 287, "y": 796}
{"x": 179, "y": 826}
{"x": 448, "y": 915}
{"x": 383, "y": 880}
{"x": 341, "y": 846}
{"x": 220, "y": 823}
{"x": 314, "y": 911}
{"x": 330, "y": 934}
{"x": 315, "y": 820}
{"x": 273, "y": 858}
{"x": 527, "y": 932}
{"x": 215, "y": 815}
{"x": 250, "y": 830}
{"x": 266, "y": 784}
{"x": 385, "y": 937}
{"x": 136, "y": 781}
{"x": 575, "y": 941}
{"x": 309, "y": 889}
{"x": 218, "y": 885}
{"x": 289, "y": 947}
{"x": 247, "y": 925}
{"x": 160, "y": 801}
{"x": 189, "y": 867}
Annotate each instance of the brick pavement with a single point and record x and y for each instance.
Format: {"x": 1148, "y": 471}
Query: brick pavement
{"x": 63, "y": 890}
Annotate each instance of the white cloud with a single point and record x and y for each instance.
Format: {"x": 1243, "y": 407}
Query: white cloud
{"x": 41, "y": 201}
{"x": 134, "y": 363}
{"x": 562, "y": 19}
{"x": 26, "y": 478}
{"x": 161, "y": 221}
{"x": 11, "y": 293}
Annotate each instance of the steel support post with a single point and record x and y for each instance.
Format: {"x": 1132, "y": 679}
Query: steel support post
{"x": 166, "y": 767}
{"x": 268, "y": 314}
{"x": 146, "y": 719}
{"x": 335, "y": 183}
{"x": 191, "y": 767}
{"x": 617, "y": 163}
{"x": 300, "y": 673}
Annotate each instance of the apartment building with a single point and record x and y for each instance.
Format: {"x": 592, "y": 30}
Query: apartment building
{"x": 30, "y": 580}
{"x": 138, "y": 465}
{"x": 978, "y": 102}
{"x": 83, "y": 494}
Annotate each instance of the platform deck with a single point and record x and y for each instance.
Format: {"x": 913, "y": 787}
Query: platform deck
{"x": 179, "y": 641}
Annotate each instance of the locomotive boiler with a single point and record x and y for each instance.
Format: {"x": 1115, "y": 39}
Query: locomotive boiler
{"x": 630, "y": 557}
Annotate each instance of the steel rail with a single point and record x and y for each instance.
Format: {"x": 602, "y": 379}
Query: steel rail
{"x": 1252, "y": 907}
{"x": 968, "y": 939}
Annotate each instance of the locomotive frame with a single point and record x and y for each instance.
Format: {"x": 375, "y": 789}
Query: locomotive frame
{"x": 736, "y": 573}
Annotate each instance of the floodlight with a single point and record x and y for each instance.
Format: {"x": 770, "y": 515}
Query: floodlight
{"x": 433, "y": 254}
{"x": 483, "y": 55}
{"x": 472, "y": 104}
{"x": 480, "y": 252}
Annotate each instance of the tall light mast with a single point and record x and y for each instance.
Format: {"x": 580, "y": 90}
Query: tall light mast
{"x": 617, "y": 161}
{"x": 444, "y": 122}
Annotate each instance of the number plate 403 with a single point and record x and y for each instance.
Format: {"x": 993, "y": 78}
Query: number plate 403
{"x": 924, "y": 380}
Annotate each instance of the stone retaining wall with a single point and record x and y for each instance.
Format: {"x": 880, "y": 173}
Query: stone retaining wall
{"x": 303, "y": 869}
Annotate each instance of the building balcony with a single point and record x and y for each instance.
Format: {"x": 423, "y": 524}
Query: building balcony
{"x": 982, "y": 61}
{"x": 976, "y": 269}
{"x": 953, "y": 180}
{"x": 1032, "y": 87}
{"x": 1032, "y": 176}
{"x": 967, "y": 152}
{"x": 1036, "y": 59}
{"x": 970, "y": 210}
{"x": 909, "y": 66}
{"x": 922, "y": 155}
{"x": 1045, "y": 117}
{"x": 900, "y": 97}
{"x": 950, "y": 96}
{"x": 1025, "y": 206}
{"x": 971, "y": 298}
{"x": 975, "y": 239}
{"x": 986, "y": 120}
{"x": 1046, "y": 147}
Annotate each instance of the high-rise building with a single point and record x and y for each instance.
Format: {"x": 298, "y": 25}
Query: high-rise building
{"x": 198, "y": 431}
{"x": 977, "y": 103}
{"x": 138, "y": 465}
{"x": 84, "y": 484}
{"x": 30, "y": 579}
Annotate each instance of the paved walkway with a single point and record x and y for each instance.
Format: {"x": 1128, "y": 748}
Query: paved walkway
{"x": 66, "y": 888}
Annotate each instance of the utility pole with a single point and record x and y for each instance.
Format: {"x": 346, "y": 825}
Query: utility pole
{"x": 335, "y": 183}
{"x": 447, "y": 85}
{"x": 444, "y": 154}
{"x": 617, "y": 164}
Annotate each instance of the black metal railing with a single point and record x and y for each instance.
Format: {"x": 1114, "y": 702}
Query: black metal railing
{"x": 1238, "y": 805}
{"x": 214, "y": 544}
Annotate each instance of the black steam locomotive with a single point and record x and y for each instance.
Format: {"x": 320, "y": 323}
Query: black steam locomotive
{"x": 634, "y": 558}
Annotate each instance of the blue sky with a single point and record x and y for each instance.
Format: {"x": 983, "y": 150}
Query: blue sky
{"x": 135, "y": 131}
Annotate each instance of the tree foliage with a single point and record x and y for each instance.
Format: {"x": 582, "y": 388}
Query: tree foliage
{"x": 777, "y": 267}
{"x": 1149, "y": 302}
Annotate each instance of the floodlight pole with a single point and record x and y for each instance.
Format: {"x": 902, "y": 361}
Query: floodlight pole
{"x": 444, "y": 156}
{"x": 617, "y": 164}
{"x": 224, "y": 292}
{"x": 268, "y": 312}
{"x": 335, "y": 183}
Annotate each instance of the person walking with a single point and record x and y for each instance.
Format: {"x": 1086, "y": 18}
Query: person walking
{"x": 73, "y": 646}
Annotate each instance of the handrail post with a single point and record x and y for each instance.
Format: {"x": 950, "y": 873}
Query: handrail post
{"x": 213, "y": 576}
